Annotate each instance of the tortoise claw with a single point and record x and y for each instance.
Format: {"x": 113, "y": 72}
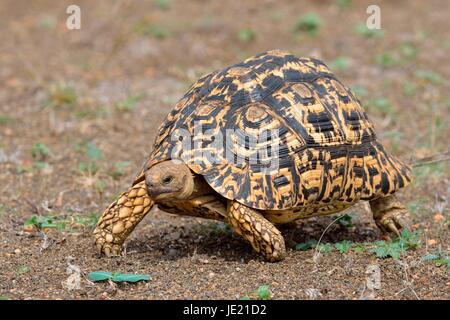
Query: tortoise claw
{"x": 390, "y": 225}
{"x": 107, "y": 244}
{"x": 390, "y": 215}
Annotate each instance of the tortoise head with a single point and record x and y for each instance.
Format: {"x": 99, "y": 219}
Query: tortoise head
{"x": 169, "y": 180}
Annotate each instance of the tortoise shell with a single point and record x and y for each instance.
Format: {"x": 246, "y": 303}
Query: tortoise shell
{"x": 326, "y": 149}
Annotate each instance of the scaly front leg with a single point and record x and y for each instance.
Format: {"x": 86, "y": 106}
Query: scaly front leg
{"x": 120, "y": 219}
{"x": 264, "y": 237}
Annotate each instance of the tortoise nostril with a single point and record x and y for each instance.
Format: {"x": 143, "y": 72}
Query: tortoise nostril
{"x": 150, "y": 184}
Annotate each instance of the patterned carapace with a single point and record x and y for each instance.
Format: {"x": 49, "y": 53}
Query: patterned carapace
{"x": 327, "y": 153}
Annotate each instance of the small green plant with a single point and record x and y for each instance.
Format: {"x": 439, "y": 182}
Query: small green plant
{"x": 342, "y": 4}
{"x": 92, "y": 113}
{"x": 162, "y": 4}
{"x": 325, "y": 247}
{"x": 438, "y": 257}
{"x": 386, "y": 60}
{"x": 41, "y": 165}
{"x": 4, "y": 119}
{"x": 408, "y": 50}
{"x": 262, "y": 293}
{"x": 409, "y": 89}
{"x": 344, "y": 246}
{"x": 432, "y": 170}
{"x": 40, "y": 152}
{"x": 385, "y": 249}
{"x": 22, "y": 269}
{"x": 84, "y": 221}
{"x": 308, "y": 244}
{"x": 394, "y": 249}
{"x": 94, "y": 155}
{"x": 340, "y": 63}
{"x": 97, "y": 276}
{"x": 60, "y": 94}
{"x": 47, "y": 22}
{"x": 100, "y": 186}
{"x": 69, "y": 223}
{"x": 358, "y": 247}
{"x": 395, "y": 137}
{"x": 346, "y": 220}
{"x": 309, "y": 23}
{"x": 359, "y": 91}
{"x": 129, "y": 103}
{"x": 118, "y": 169}
{"x": 365, "y": 32}
{"x": 430, "y": 76}
{"x": 147, "y": 28}
{"x": 381, "y": 105}
{"x": 247, "y": 35}
{"x": 44, "y": 222}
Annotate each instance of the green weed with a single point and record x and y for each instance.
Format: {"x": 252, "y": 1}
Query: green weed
{"x": 409, "y": 51}
{"x": 359, "y": 91}
{"x": 147, "y": 28}
{"x": 309, "y": 23}
{"x": 162, "y": 4}
{"x": 394, "y": 249}
{"x": 262, "y": 293}
{"x": 386, "y": 60}
{"x": 429, "y": 76}
{"x": 365, "y": 32}
{"x": 60, "y": 94}
{"x": 344, "y": 246}
{"x": 340, "y": 63}
{"x": 40, "y": 152}
{"x": 381, "y": 105}
{"x": 129, "y": 103}
{"x": 306, "y": 245}
{"x": 342, "y": 4}
{"x": 94, "y": 155}
{"x": 118, "y": 169}
{"x": 247, "y": 35}
{"x": 409, "y": 89}
{"x": 438, "y": 257}
{"x": 69, "y": 223}
{"x": 5, "y": 119}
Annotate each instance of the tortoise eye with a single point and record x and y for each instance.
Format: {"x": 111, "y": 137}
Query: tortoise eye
{"x": 167, "y": 180}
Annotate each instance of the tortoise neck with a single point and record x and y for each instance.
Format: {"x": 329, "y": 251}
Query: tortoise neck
{"x": 200, "y": 187}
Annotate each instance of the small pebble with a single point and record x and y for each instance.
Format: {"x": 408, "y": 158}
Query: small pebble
{"x": 17, "y": 251}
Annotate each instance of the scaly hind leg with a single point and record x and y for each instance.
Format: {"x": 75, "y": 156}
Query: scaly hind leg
{"x": 264, "y": 237}
{"x": 390, "y": 214}
{"x": 120, "y": 219}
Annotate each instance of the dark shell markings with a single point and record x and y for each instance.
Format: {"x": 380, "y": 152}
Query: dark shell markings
{"x": 277, "y": 132}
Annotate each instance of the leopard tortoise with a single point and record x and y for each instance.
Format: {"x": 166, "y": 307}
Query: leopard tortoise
{"x": 325, "y": 150}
